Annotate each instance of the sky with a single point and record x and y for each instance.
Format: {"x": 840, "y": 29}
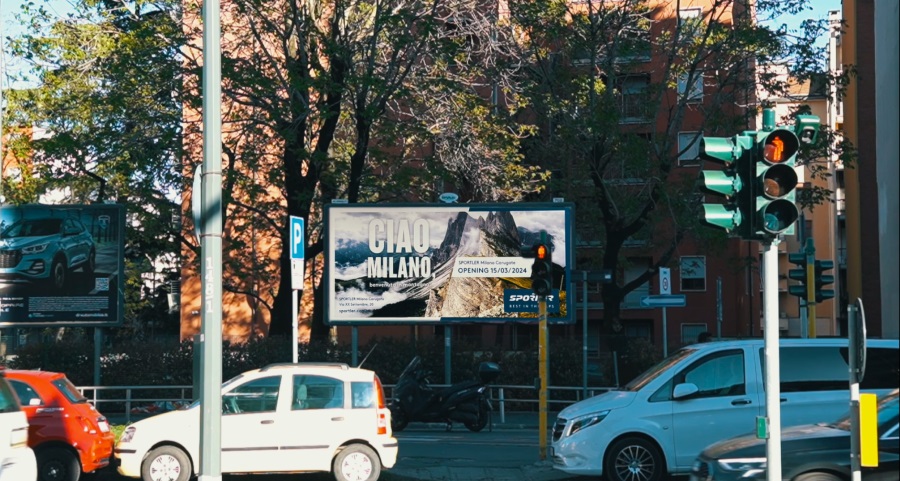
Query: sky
{"x": 9, "y": 27}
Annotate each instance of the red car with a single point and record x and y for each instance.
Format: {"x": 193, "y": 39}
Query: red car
{"x": 67, "y": 433}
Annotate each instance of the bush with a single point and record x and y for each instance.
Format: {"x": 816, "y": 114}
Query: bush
{"x": 156, "y": 364}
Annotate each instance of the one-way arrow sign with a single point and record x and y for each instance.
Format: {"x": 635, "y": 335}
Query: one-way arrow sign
{"x": 674, "y": 300}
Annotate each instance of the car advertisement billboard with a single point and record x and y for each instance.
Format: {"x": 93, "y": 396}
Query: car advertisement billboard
{"x": 61, "y": 265}
{"x": 442, "y": 263}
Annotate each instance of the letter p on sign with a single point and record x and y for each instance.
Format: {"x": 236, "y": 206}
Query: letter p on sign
{"x": 298, "y": 251}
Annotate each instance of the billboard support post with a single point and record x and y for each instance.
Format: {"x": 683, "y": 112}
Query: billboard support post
{"x": 542, "y": 369}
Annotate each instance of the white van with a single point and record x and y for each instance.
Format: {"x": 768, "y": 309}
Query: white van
{"x": 704, "y": 393}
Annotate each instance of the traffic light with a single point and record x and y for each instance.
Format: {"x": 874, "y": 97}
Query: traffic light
{"x": 774, "y": 184}
{"x": 822, "y": 280}
{"x": 729, "y": 182}
{"x": 798, "y": 275}
{"x": 542, "y": 270}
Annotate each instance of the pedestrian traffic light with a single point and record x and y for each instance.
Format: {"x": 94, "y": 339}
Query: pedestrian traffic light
{"x": 774, "y": 183}
{"x": 822, "y": 280}
{"x": 729, "y": 182}
{"x": 798, "y": 275}
{"x": 542, "y": 270}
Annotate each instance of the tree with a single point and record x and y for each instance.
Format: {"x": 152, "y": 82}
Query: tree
{"x": 107, "y": 106}
{"x": 330, "y": 99}
{"x": 613, "y": 84}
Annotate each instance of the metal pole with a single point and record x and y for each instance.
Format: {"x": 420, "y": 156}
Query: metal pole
{"x": 98, "y": 342}
{"x": 773, "y": 386}
{"x": 852, "y": 333}
{"x": 542, "y": 370}
{"x": 719, "y": 308}
{"x": 211, "y": 250}
{"x": 354, "y": 346}
{"x": 811, "y": 285}
{"x": 584, "y": 332}
{"x": 447, "y": 355}
{"x": 295, "y": 354}
{"x": 665, "y": 334}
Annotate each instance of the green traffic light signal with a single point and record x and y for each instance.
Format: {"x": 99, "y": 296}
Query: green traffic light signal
{"x": 798, "y": 275}
{"x": 822, "y": 280}
{"x": 728, "y": 182}
{"x": 774, "y": 183}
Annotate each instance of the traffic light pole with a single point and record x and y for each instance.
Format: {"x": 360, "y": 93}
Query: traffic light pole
{"x": 542, "y": 372}
{"x": 773, "y": 365}
{"x": 810, "y": 252}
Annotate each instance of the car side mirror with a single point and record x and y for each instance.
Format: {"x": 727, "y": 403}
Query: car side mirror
{"x": 684, "y": 390}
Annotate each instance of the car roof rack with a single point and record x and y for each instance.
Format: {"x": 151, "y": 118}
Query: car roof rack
{"x": 337, "y": 365}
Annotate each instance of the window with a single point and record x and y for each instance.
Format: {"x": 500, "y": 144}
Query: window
{"x": 690, "y": 23}
{"x": 693, "y": 273}
{"x": 720, "y": 374}
{"x": 27, "y": 395}
{"x": 688, "y": 148}
{"x": 694, "y": 91}
{"x": 633, "y": 95}
{"x": 690, "y": 333}
{"x": 363, "y": 395}
{"x": 635, "y": 41}
{"x": 811, "y": 368}
{"x": 317, "y": 392}
{"x": 256, "y": 396}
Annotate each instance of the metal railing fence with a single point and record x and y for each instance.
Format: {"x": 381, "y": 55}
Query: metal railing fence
{"x": 137, "y": 401}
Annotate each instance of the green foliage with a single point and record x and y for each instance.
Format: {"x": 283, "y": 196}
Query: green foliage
{"x": 156, "y": 364}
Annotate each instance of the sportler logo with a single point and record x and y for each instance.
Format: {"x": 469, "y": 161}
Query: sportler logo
{"x": 524, "y": 300}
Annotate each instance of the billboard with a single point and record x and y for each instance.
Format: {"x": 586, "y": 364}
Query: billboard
{"x": 61, "y": 265}
{"x": 442, "y": 263}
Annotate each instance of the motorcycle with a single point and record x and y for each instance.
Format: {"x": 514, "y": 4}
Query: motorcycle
{"x": 465, "y": 402}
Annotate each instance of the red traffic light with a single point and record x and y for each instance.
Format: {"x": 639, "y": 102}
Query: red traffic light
{"x": 780, "y": 146}
{"x": 541, "y": 252}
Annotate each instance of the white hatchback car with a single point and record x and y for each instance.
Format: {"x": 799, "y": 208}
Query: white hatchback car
{"x": 287, "y": 418}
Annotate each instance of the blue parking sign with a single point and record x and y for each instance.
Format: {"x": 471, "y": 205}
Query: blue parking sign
{"x": 298, "y": 245}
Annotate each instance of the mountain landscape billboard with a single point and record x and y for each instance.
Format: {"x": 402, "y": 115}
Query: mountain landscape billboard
{"x": 61, "y": 265}
{"x": 442, "y": 263}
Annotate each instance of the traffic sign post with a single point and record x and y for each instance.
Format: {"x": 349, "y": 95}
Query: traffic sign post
{"x": 298, "y": 265}
{"x": 664, "y": 301}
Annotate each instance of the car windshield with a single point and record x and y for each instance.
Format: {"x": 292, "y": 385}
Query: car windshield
{"x": 654, "y": 372}
{"x": 33, "y": 227}
{"x": 888, "y": 408}
{"x": 69, "y": 390}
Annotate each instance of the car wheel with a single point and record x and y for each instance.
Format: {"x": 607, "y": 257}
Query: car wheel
{"x": 166, "y": 463}
{"x": 58, "y": 273}
{"x": 634, "y": 459}
{"x": 818, "y": 477}
{"x": 481, "y": 421}
{"x": 356, "y": 462}
{"x": 58, "y": 464}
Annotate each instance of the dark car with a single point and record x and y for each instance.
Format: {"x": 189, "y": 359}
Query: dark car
{"x": 46, "y": 250}
{"x": 819, "y": 452}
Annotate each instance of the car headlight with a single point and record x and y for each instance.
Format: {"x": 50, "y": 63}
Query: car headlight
{"x": 35, "y": 249}
{"x": 128, "y": 434}
{"x": 748, "y": 466}
{"x": 587, "y": 421}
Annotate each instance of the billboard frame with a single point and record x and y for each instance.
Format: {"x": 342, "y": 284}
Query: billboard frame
{"x": 558, "y": 215}
{"x": 93, "y": 293}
